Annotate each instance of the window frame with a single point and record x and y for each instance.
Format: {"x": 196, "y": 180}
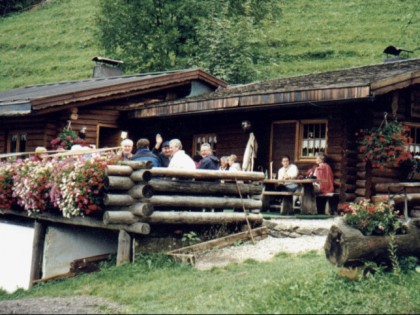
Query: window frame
{"x": 20, "y": 136}
{"x": 299, "y": 146}
{"x": 207, "y": 135}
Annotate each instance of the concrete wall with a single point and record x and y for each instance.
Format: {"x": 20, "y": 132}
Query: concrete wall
{"x": 67, "y": 243}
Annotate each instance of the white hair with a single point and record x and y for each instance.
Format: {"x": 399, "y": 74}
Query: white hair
{"x": 127, "y": 141}
{"x": 175, "y": 143}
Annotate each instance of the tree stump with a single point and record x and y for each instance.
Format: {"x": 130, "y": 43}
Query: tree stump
{"x": 347, "y": 246}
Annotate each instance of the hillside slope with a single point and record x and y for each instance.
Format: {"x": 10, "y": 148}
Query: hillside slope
{"x": 56, "y": 42}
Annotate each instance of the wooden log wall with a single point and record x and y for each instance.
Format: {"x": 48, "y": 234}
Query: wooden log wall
{"x": 138, "y": 194}
{"x": 374, "y": 182}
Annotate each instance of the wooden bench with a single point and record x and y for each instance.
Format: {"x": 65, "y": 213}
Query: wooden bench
{"x": 287, "y": 203}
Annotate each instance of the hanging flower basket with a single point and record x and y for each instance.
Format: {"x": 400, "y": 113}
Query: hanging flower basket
{"x": 386, "y": 146}
{"x": 66, "y": 139}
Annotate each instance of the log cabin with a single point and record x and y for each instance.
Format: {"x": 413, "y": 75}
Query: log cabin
{"x": 299, "y": 116}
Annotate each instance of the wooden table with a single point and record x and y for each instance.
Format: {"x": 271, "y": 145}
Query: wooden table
{"x": 308, "y": 205}
{"x": 404, "y": 186}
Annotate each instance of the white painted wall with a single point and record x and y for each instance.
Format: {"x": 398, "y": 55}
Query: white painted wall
{"x": 15, "y": 256}
{"x": 66, "y": 243}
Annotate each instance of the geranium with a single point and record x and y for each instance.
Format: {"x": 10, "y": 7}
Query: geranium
{"x": 73, "y": 185}
{"x": 386, "y": 145}
{"x": 66, "y": 139}
{"x": 7, "y": 172}
{"x": 81, "y": 187}
{"x": 32, "y": 185}
{"x": 372, "y": 218}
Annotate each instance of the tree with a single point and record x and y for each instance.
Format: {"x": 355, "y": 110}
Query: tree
{"x": 11, "y": 6}
{"x": 157, "y": 35}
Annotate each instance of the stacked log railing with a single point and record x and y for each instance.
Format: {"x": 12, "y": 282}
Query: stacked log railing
{"x": 139, "y": 195}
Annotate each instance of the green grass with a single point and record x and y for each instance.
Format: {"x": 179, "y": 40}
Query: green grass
{"x": 298, "y": 284}
{"x": 57, "y": 42}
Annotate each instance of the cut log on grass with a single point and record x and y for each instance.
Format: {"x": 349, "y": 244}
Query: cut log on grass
{"x": 347, "y": 246}
{"x": 118, "y": 170}
{"x": 141, "y": 191}
{"x": 207, "y": 174}
{"x": 205, "y": 202}
{"x": 185, "y": 217}
{"x": 118, "y": 183}
{"x": 141, "y": 176}
{"x": 204, "y": 187}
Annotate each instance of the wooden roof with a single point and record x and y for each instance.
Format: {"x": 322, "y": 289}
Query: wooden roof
{"x": 55, "y": 96}
{"x": 333, "y": 86}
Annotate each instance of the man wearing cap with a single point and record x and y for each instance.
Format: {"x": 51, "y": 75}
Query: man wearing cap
{"x": 165, "y": 154}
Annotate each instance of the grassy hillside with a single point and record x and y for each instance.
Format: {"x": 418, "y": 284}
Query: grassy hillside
{"x": 289, "y": 284}
{"x": 56, "y": 42}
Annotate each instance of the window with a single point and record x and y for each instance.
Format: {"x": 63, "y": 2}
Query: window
{"x": 313, "y": 138}
{"x": 414, "y": 147}
{"x": 210, "y": 138}
{"x": 16, "y": 142}
{"x": 300, "y": 139}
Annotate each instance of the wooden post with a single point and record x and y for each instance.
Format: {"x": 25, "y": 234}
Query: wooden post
{"x": 37, "y": 252}
{"x": 124, "y": 248}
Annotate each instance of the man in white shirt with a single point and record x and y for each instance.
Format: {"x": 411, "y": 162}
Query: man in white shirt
{"x": 288, "y": 171}
{"x": 179, "y": 160}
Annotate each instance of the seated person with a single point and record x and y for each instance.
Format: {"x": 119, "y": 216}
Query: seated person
{"x": 233, "y": 165}
{"x": 323, "y": 172}
{"x": 288, "y": 171}
{"x": 325, "y": 186}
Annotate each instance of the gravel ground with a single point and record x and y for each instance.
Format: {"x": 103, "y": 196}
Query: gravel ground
{"x": 262, "y": 250}
{"x": 267, "y": 248}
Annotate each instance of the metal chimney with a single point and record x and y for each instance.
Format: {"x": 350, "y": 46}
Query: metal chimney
{"x": 106, "y": 67}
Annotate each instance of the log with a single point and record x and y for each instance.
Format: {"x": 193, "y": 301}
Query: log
{"x": 118, "y": 183}
{"x": 184, "y": 217}
{"x": 141, "y": 227}
{"x": 394, "y": 188}
{"x": 119, "y": 170}
{"x": 80, "y": 221}
{"x": 137, "y": 165}
{"x": 142, "y": 209}
{"x": 205, "y": 202}
{"x": 346, "y": 246}
{"x": 118, "y": 200}
{"x": 207, "y": 174}
{"x": 360, "y": 192}
{"x": 204, "y": 187}
{"x": 141, "y": 191}
{"x": 119, "y": 217}
{"x": 141, "y": 176}
{"x": 399, "y": 198}
{"x": 361, "y": 183}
